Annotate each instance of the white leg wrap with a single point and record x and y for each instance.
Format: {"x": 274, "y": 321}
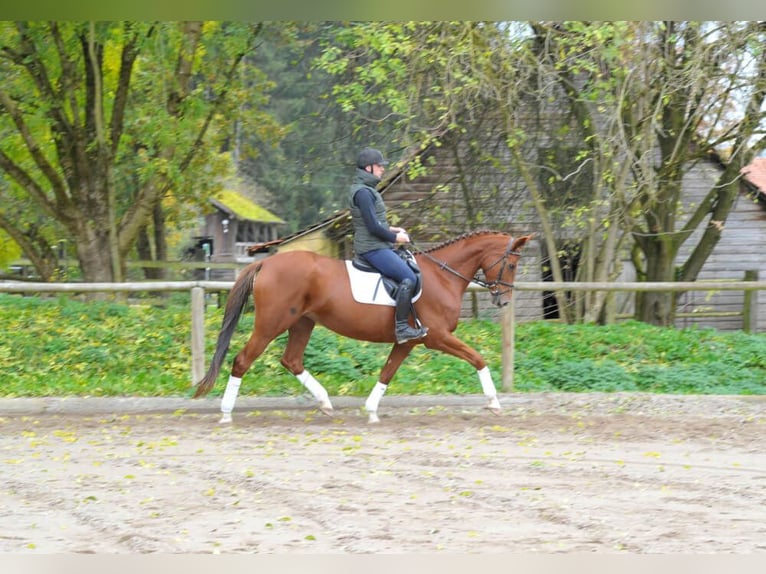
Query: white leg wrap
{"x": 489, "y": 390}
{"x": 313, "y": 386}
{"x": 487, "y": 386}
{"x": 372, "y": 402}
{"x": 230, "y": 394}
{"x": 316, "y": 389}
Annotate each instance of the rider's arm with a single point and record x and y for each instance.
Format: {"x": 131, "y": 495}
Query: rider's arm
{"x": 364, "y": 199}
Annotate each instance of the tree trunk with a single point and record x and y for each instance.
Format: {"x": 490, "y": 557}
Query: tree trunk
{"x": 658, "y": 307}
{"x": 144, "y": 250}
{"x": 95, "y": 261}
{"x": 160, "y": 241}
{"x": 160, "y": 251}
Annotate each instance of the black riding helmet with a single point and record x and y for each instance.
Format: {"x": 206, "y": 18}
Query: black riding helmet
{"x": 370, "y": 156}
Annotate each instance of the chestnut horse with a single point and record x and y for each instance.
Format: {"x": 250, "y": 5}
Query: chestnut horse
{"x": 294, "y": 290}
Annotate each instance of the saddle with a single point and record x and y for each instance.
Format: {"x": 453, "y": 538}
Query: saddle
{"x": 369, "y": 286}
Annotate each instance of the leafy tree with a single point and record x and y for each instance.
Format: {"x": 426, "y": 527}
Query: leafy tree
{"x": 601, "y": 122}
{"x": 107, "y": 126}
{"x": 653, "y": 99}
{"x": 304, "y": 176}
{"x": 432, "y": 83}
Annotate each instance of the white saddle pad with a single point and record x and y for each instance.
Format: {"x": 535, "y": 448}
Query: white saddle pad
{"x": 367, "y": 287}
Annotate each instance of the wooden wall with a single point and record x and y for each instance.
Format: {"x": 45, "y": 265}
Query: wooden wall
{"x": 432, "y": 207}
{"x": 742, "y": 248}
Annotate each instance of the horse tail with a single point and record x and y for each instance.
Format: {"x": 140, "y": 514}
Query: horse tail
{"x": 235, "y": 304}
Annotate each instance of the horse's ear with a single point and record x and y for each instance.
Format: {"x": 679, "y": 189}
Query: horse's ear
{"x": 520, "y": 242}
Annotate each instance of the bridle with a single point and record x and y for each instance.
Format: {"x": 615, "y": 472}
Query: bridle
{"x": 493, "y": 286}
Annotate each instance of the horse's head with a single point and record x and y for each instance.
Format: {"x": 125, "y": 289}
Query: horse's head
{"x": 500, "y": 272}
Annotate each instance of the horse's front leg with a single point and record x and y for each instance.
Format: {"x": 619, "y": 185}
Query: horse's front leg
{"x": 488, "y": 387}
{"x": 453, "y": 346}
{"x": 395, "y": 358}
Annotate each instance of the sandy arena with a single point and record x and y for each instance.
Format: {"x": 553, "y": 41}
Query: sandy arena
{"x": 613, "y": 473}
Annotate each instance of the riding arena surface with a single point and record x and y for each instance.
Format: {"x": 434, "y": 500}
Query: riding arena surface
{"x": 554, "y": 473}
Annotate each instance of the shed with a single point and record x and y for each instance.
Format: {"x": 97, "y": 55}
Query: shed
{"x": 233, "y": 223}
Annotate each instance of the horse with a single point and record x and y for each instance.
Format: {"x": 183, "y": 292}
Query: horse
{"x": 294, "y": 290}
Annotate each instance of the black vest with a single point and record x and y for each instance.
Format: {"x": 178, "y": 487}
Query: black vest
{"x": 365, "y": 241}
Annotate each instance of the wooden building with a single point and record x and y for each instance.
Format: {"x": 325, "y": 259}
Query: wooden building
{"x": 232, "y": 224}
{"x": 739, "y": 254}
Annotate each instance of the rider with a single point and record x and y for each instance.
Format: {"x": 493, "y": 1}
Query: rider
{"x": 374, "y": 238}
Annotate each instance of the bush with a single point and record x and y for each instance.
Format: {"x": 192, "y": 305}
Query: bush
{"x": 61, "y": 346}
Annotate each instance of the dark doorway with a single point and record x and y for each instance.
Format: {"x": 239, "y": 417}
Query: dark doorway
{"x": 569, "y": 260}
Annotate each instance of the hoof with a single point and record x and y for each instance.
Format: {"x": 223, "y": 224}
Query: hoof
{"x": 327, "y": 409}
{"x": 225, "y": 418}
{"x": 494, "y": 407}
{"x": 373, "y": 418}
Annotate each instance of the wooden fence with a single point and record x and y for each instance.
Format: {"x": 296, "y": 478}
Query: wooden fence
{"x": 508, "y": 322}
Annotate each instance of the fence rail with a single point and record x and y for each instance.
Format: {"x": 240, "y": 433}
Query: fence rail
{"x": 197, "y": 289}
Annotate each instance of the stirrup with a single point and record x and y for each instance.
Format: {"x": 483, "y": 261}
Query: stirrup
{"x": 410, "y": 334}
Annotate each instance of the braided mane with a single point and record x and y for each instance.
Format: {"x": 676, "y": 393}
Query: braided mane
{"x": 465, "y": 236}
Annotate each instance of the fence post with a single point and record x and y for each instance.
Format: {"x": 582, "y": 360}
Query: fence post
{"x": 750, "y": 305}
{"x": 507, "y": 318}
{"x": 197, "y": 334}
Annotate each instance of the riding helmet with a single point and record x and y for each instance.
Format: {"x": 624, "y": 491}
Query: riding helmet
{"x": 370, "y": 156}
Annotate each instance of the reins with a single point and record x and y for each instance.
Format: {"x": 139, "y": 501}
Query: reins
{"x": 491, "y": 285}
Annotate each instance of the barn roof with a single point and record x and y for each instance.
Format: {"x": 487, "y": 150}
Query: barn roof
{"x": 755, "y": 173}
{"x": 237, "y": 205}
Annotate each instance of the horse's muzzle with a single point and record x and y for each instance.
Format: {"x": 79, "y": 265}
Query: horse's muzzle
{"x": 499, "y": 298}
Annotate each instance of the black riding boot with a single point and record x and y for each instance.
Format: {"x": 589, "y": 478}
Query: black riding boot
{"x": 404, "y": 331}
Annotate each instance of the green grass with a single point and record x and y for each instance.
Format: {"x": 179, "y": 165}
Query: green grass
{"x": 64, "y": 347}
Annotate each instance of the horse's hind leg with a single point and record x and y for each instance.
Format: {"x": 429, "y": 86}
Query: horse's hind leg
{"x": 292, "y": 359}
{"x": 253, "y": 349}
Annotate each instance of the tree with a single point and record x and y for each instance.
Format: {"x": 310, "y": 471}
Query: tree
{"x": 660, "y": 97}
{"x": 305, "y": 175}
{"x": 476, "y": 87}
{"x": 601, "y": 120}
{"x": 107, "y": 125}
{"x": 432, "y": 84}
